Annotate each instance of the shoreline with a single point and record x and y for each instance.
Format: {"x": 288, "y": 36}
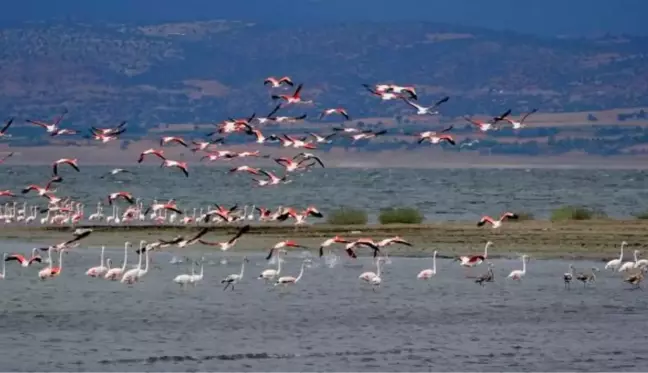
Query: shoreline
{"x": 590, "y": 239}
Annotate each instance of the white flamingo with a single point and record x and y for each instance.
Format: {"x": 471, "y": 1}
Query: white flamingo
{"x": 271, "y": 273}
{"x": 426, "y": 274}
{"x": 641, "y": 263}
{"x": 287, "y": 280}
{"x": 194, "y": 277}
{"x": 614, "y": 264}
{"x": 371, "y": 277}
{"x": 630, "y": 265}
{"x": 114, "y": 273}
{"x": 185, "y": 279}
{"x": 234, "y": 278}
{"x": 99, "y": 270}
{"x": 142, "y": 272}
{"x": 519, "y": 273}
{"x": 130, "y": 276}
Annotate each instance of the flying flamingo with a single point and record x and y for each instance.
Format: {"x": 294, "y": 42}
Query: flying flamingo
{"x": 49, "y": 127}
{"x": 427, "y": 274}
{"x": 3, "y": 131}
{"x": 288, "y": 280}
{"x": 114, "y": 273}
{"x": 340, "y": 111}
{"x": 329, "y": 242}
{"x": 276, "y": 83}
{"x": 281, "y": 245}
{"x": 517, "y": 125}
{"x": 487, "y": 126}
{"x": 422, "y": 110}
{"x": 68, "y": 161}
{"x": 614, "y": 264}
{"x": 181, "y": 165}
{"x": 24, "y": 262}
{"x": 99, "y": 270}
{"x": 155, "y": 152}
{"x": 234, "y": 278}
{"x": 295, "y": 98}
{"x": 519, "y": 273}
{"x": 224, "y": 246}
{"x": 496, "y": 223}
{"x": 169, "y": 139}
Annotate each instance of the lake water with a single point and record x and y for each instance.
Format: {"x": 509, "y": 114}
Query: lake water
{"x": 441, "y": 194}
{"x": 329, "y": 321}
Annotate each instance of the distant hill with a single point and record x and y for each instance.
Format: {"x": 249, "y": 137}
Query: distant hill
{"x": 203, "y": 72}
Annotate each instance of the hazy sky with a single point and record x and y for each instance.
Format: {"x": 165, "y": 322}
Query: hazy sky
{"x": 544, "y": 17}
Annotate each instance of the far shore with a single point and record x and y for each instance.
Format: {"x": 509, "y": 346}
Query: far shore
{"x": 591, "y": 239}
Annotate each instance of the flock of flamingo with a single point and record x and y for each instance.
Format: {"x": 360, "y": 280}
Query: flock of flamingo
{"x": 68, "y": 210}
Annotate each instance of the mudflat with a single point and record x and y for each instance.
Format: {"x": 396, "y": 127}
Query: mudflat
{"x": 591, "y": 239}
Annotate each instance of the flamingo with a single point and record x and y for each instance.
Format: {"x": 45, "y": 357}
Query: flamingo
{"x": 142, "y": 272}
{"x": 276, "y": 83}
{"x": 99, "y": 270}
{"x": 234, "y": 278}
{"x": 496, "y": 223}
{"x": 641, "y": 263}
{"x": 614, "y": 264}
{"x": 194, "y": 277}
{"x": 586, "y": 278}
{"x": 427, "y": 274}
{"x": 3, "y": 131}
{"x": 329, "y": 242}
{"x": 487, "y": 126}
{"x": 474, "y": 260}
{"x": 519, "y": 273}
{"x": 569, "y": 276}
{"x": 130, "y": 276}
{"x": 155, "y": 152}
{"x": 627, "y": 266}
{"x": 114, "y": 273}
{"x": 367, "y": 276}
{"x": 295, "y": 98}
{"x": 422, "y": 110}
{"x": 517, "y": 125}
{"x": 185, "y": 279}
{"x": 69, "y": 161}
{"x": 340, "y": 111}
{"x": 51, "y": 272}
{"x": 224, "y": 246}
{"x": 24, "y": 262}
{"x": 281, "y": 245}
{"x": 270, "y": 274}
{"x": 287, "y": 280}
{"x": 489, "y": 276}
{"x": 181, "y": 165}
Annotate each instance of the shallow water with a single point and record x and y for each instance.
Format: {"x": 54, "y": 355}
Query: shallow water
{"x": 327, "y": 321}
{"x": 441, "y": 194}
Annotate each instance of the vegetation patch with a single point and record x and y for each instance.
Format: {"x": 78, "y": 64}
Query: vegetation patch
{"x": 347, "y": 216}
{"x": 401, "y": 215}
{"x": 576, "y": 213}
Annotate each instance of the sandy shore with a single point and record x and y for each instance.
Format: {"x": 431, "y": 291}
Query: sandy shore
{"x": 597, "y": 239}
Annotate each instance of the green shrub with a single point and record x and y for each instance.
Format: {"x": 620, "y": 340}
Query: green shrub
{"x": 400, "y": 215}
{"x": 576, "y": 213}
{"x": 642, "y": 215}
{"x": 347, "y": 216}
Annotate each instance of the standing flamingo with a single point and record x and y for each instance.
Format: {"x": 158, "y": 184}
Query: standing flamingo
{"x": 194, "y": 277}
{"x": 234, "y": 278}
{"x": 185, "y": 279}
{"x": 426, "y": 274}
{"x": 114, "y": 273}
{"x": 99, "y": 270}
{"x": 519, "y": 273}
{"x": 270, "y": 274}
{"x": 131, "y": 275}
{"x": 474, "y": 260}
{"x": 287, "y": 280}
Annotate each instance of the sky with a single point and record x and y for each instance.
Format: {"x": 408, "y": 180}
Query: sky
{"x": 540, "y": 17}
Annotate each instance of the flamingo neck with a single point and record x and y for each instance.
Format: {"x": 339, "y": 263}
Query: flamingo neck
{"x": 635, "y": 257}
{"x": 434, "y": 262}
{"x": 621, "y": 256}
{"x": 101, "y": 259}
{"x": 147, "y": 261}
{"x": 125, "y": 258}
{"x": 193, "y": 268}
{"x": 61, "y": 260}
{"x": 301, "y": 272}
{"x": 378, "y": 265}
{"x": 139, "y": 262}
{"x": 524, "y": 260}
{"x": 486, "y": 250}
{"x": 279, "y": 265}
